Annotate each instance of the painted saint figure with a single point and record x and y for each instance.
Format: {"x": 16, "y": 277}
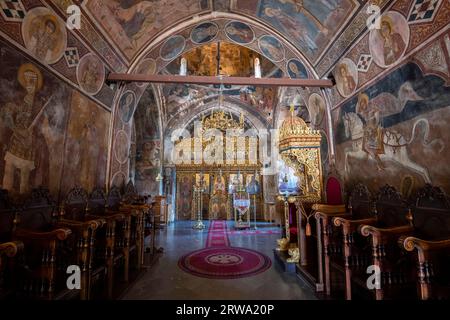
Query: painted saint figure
{"x": 19, "y": 154}
{"x": 44, "y": 40}
{"x": 373, "y": 132}
{"x": 393, "y": 45}
{"x": 348, "y": 83}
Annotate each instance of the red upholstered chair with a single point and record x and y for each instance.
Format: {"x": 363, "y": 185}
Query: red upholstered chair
{"x": 328, "y": 238}
{"x": 334, "y": 191}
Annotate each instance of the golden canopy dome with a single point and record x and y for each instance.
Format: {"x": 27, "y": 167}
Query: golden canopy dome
{"x": 295, "y": 133}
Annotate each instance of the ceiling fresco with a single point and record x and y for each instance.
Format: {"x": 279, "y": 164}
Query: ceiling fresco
{"x": 235, "y": 60}
{"x": 131, "y": 23}
{"x": 310, "y": 25}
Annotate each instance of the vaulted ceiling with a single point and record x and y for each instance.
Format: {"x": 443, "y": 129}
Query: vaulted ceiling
{"x": 311, "y": 26}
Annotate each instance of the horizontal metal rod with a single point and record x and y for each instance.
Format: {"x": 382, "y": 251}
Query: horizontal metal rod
{"x": 236, "y": 81}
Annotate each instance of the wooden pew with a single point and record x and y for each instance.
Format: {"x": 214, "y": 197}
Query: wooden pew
{"x": 135, "y": 206}
{"x": 40, "y": 271}
{"x": 393, "y": 219}
{"x": 429, "y": 245}
{"x": 8, "y": 250}
{"x": 73, "y": 215}
{"x": 112, "y": 240}
{"x": 356, "y": 248}
{"x": 329, "y": 240}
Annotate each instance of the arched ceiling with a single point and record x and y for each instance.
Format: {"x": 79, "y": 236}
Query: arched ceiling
{"x": 309, "y": 25}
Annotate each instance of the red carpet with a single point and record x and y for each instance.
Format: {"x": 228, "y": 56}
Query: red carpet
{"x": 221, "y": 261}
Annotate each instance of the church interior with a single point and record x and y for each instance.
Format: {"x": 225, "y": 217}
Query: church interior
{"x": 224, "y": 149}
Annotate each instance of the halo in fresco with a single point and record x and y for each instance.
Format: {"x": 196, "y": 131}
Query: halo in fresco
{"x": 317, "y": 107}
{"x": 346, "y": 75}
{"x": 296, "y": 69}
{"x": 239, "y": 32}
{"x": 172, "y": 48}
{"x": 44, "y": 35}
{"x": 204, "y": 33}
{"x": 272, "y": 48}
{"x": 121, "y": 147}
{"x": 90, "y": 73}
{"x": 147, "y": 67}
{"x": 388, "y": 44}
{"x": 126, "y": 106}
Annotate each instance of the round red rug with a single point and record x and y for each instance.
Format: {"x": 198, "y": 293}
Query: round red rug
{"x": 224, "y": 263}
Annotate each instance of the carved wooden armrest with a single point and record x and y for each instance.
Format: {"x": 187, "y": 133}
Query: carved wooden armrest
{"x": 93, "y": 224}
{"x": 327, "y": 215}
{"x": 327, "y": 208}
{"x": 10, "y": 249}
{"x": 367, "y": 230}
{"x": 109, "y": 214}
{"x": 57, "y": 234}
{"x": 411, "y": 243}
{"x": 339, "y": 221}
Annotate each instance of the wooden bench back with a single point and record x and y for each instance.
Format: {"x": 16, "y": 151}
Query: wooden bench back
{"x": 392, "y": 208}
{"x": 97, "y": 201}
{"x": 38, "y": 212}
{"x": 75, "y": 204}
{"x": 7, "y": 213}
{"x": 360, "y": 202}
{"x": 113, "y": 198}
{"x": 130, "y": 193}
{"x": 432, "y": 213}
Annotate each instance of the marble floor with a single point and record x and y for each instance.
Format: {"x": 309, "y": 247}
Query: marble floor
{"x": 166, "y": 281}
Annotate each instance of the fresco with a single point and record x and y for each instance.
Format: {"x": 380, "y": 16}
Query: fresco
{"x": 389, "y": 43}
{"x": 146, "y": 67}
{"x": 173, "y": 47}
{"x": 296, "y": 69}
{"x": 148, "y": 144}
{"x": 235, "y": 60}
{"x": 396, "y": 128}
{"x": 121, "y": 148}
{"x": 204, "y": 33}
{"x": 346, "y": 75}
{"x": 316, "y": 107}
{"x": 262, "y": 99}
{"x": 131, "y": 23}
{"x": 239, "y": 32}
{"x": 272, "y": 48}
{"x": 33, "y": 117}
{"x": 309, "y": 24}
{"x": 44, "y": 35}
{"x": 86, "y": 145}
{"x": 180, "y": 97}
{"x": 324, "y": 152}
{"x": 127, "y": 104}
{"x": 184, "y": 197}
{"x": 90, "y": 73}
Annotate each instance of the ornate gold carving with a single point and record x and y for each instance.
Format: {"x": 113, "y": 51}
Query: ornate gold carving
{"x": 294, "y": 254}
{"x": 221, "y": 121}
{"x": 300, "y": 149}
{"x": 283, "y": 244}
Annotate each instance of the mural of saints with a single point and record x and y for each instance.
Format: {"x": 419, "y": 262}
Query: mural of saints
{"x": 90, "y": 73}
{"x": 44, "y": 35}
{"x": 184, "y": 197}
{"x": 346, "y": 75}
{"x": 86, "y": 144}
{"x": 19, "y": 154}
{"x": 399, "y": 125}
{"x": 388, "y": 44}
